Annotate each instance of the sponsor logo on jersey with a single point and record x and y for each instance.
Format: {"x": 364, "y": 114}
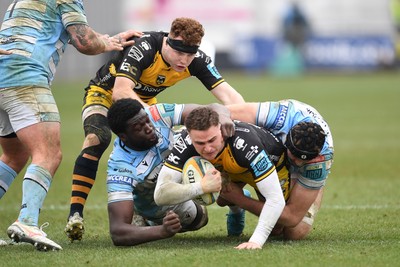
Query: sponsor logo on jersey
{"x": 280, "y": 118}
{"x": 142, "y": 88}
{"x": 168, "y": 108}
{"x": 261, "y": 164}
{"x": 123, "y": 170}
{"x": 145, "y": 45}
{"x": 188, "y": 140}
{"x": 240, "y": 129}
{"x": 239, "y": 143}
{"x": 313, "y": 174}
{"x": 135, "y": 53}
{"x": 146, "y": 163}
{"x": 160, "y": 79}
{"x": 174, "y": 159}
{"x": 253, "y": 151}
{"x": 214, "y": 71}
{"x": 125, "y": 66}
{"x": 120, "y": 179}
{"x": 154, "y": 113}
{"x": 180, "y": 145}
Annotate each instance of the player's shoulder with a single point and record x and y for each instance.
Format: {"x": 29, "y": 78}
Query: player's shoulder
{"x": 150, "y": 40}
{"x": 201, "y": 58}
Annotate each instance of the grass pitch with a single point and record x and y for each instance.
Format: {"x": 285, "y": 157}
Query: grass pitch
{"x": 358, "y": 224}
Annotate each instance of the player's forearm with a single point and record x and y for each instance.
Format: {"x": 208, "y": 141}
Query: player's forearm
{"x": 270, "y": 213}
{"x": 171, "y": 193}
{"x": 131, "y": 235}
{"x": 86, "y": 40}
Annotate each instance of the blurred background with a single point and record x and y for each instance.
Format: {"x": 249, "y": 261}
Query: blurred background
{"x": 278, "y": 37}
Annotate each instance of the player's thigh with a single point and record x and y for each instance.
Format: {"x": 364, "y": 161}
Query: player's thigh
{"x": 96, "y": 101}
{"x": 302, "y": 229}
{"x": 29, "y": 105}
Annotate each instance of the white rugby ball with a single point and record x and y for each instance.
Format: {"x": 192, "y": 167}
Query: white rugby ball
{"x": 193, "y": 171}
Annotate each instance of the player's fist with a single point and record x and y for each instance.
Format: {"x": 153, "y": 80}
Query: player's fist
{"x": 212, "y": 181}
{"x": 171, "y": 224}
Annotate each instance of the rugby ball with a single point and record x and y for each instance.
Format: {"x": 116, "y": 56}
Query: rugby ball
{"x": 193, "y": 171}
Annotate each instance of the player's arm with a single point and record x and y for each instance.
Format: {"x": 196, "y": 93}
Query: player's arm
{"x": 123, "y": 88}
{"x": 5, "y": 52}
{"x": 226, "y": 94}
{"x": 246, "y": 112}
{"x": 299, "y": 202}
{"x": 124, "y": 233}
{"x": 89, "y": 42}
{"x": 272, "y": 208}
{"x": 170, "y": 190}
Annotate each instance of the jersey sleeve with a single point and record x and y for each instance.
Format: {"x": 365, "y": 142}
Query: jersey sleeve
{"x": 137, "y": 58}
{"x": 182, "y": 151}
{"x": 72, "y": 12}
{"x": 171, "y": 114}
{"x": 204, "y": 69}
{"x": 250, "y": 152}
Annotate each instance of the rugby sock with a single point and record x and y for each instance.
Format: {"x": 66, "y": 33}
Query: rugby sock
{"x": 83, "y": 179}
{"x": 235, "y": 209}
{"x": 35, "y": 186}
{"x": 7, "y": 176}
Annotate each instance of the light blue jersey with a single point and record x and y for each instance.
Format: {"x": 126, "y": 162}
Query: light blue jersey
{"x": 35, "y": 31}
{"x": 279, "y": 118}
{"x": 132, "y": 175}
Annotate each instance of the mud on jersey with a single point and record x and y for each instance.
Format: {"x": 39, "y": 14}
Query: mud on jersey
{"x": 249, "y": 156}
{"x": 144, "y": 65}
{"x": 35, "y": 31}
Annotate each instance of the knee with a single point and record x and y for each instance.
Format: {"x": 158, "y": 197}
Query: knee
{"x": 98, "y": 135}
{"x": 298, "y": 232}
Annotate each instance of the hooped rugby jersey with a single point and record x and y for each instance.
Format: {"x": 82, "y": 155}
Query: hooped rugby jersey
{"x": 249, "y": 156}
{"x": 35, "y": 31}
{"x": 279, "y": 117}
{"x": 144, "y": 65}
{"x": 132, "y": 175}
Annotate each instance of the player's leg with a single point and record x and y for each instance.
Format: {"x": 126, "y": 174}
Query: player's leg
{"x": 301, "y": 230}
{"x": 12, "y": 161}
{"x": 34, "y": 116}
{"x": 97, "y": 139}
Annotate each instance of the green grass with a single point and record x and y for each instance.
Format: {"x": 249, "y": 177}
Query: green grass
{"x": 358, "y": 224}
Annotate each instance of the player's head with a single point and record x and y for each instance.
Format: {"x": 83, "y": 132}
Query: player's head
{"x": 182, "y": 43}
{"x": 305, "y": 140}
{"x": 128, "y": 119}
{"x": 205, "y": 132}
{"x": 189, "y": 31}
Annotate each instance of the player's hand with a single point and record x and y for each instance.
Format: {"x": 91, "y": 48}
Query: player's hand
{"x": 231, "y": 194}
{"x": 171, "y": 224}
{"x": 227, "y": 126}
{"x": 123, "y": 37}
{"x": 231, "y": 191}
{"x": 212, "y": 181}
{"x": 248, "y": 245}
{"x": 5, "y": 52}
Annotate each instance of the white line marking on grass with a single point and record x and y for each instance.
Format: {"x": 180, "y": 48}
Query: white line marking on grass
{"x": 214, "y": 206}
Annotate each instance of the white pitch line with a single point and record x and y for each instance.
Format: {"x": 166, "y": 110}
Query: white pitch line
{"x": 214, "y": 206}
